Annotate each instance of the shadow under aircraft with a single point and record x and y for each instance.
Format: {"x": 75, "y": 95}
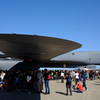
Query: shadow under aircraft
{"x": 18, "y": 95}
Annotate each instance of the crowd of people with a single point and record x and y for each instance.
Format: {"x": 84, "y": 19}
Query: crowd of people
{"x": 29, "y": 81}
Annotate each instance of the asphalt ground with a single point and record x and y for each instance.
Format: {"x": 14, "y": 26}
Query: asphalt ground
{"x": 57, "y": 92}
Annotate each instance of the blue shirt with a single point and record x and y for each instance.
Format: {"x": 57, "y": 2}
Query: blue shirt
{"x": 84, "y": 77}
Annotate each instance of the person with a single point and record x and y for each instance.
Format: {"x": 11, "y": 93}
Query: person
{"x": 68, "y": 84}
{"x": 40, "y": 81}
{"x": 28, "y": 79}
{"x": 52, "y": 75}
{"x": 46, "y": 79}
{"x": 79, "y": 88}
{"x": 76, "y": 77}
{"x": 62, "y": 77}
{"x": 2, "y": 75}
{"x": 84, "y": 77}
{"x": 90, "y": 75}
{"x": 1, "y": 83}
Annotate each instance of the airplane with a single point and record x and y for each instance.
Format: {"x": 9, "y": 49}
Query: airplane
{"x": 83, "y": 57}
{"x": 32, "y": 52}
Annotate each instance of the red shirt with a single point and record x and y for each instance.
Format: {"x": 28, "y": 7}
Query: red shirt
{"x": 80, "y": 87}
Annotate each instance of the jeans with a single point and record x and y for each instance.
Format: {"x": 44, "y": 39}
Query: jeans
{"x": 79, "y": 91}
{"x": 47, "y": 86}
{"x": 84, "y": 85}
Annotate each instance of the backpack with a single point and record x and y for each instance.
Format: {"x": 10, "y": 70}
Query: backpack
{"x": 69, "y": 80}
{"x": 48, "y": 77}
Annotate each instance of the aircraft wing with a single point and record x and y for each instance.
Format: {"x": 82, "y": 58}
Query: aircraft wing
{"x": 37, "y": 48}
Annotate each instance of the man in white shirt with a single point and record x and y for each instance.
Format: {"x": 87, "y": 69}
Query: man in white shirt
{"x": 28, "y": 78}
{"x": 76, "y": 77}
{"x": 62, "y": 77}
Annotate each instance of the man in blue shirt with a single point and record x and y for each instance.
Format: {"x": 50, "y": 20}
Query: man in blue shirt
{"x": 84, "y": 77}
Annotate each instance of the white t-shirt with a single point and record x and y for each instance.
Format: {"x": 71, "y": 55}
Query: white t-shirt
{"x": 62, "y": 74}
{"x": 2, "y": 76}
{"x": 77, "y": 75}
{"x": 29, "y": 78}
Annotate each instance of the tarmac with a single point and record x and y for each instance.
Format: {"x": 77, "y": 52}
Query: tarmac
{"x": 57, "y": 92}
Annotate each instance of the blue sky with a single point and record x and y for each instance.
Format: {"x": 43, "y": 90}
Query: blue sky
{"x": 76, "y": 20}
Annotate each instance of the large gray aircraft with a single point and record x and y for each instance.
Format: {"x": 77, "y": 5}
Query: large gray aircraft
{"x": 33, "y": 52}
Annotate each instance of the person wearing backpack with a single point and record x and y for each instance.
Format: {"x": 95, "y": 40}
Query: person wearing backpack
{"x": 46, "y": 79}
{"x": 68, "y": 84}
